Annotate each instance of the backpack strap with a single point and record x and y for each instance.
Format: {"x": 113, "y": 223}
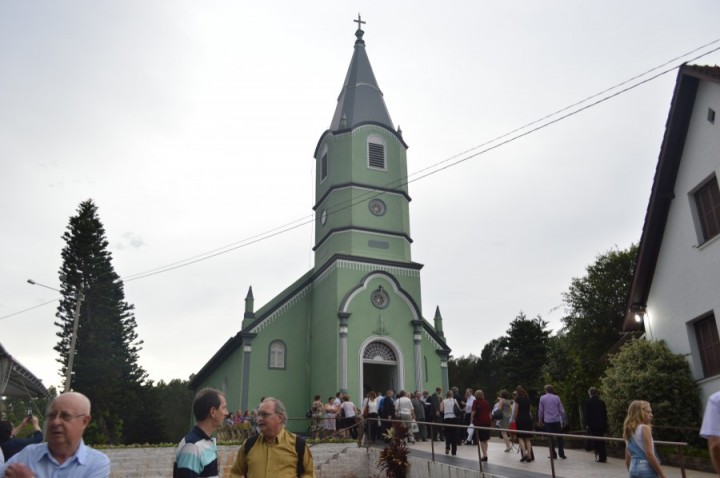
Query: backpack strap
{"x": 249, "y": 443}
{"x": 300, "y": 451}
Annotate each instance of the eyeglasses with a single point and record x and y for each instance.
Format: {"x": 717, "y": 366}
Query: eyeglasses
{"x": 64, "y": 416}
{"x": 265, "y": 414}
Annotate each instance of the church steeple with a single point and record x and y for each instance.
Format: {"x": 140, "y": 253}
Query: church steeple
{"x": 361, "y": 193}
{"x": 360, "y": 100}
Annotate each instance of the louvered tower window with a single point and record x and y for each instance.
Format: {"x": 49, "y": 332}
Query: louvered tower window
{"x": 376, "y": 153}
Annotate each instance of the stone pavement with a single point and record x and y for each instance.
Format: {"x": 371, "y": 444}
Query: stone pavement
{"x": 579, "y": 463}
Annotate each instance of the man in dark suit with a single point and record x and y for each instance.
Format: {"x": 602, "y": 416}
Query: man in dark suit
{"x": 435, "y": 401}
{"x": 597, "y": 423}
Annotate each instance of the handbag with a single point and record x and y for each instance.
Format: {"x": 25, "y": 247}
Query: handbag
{"x": 497, "y": 414}
{"x": 456, "y": 409}
{"x": 414, "y": 428}
{"x": 365, "y": 411}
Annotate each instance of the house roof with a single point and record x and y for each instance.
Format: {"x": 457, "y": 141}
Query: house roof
{"x": 662, "y": 194}
{"x": 360, "y": 100}
{"x": 16, "y": 380}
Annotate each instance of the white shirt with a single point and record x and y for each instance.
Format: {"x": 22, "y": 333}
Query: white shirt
{"x": 403, "y": 406}
{"x": 469, "y": 403}
{"x": 711, "y": 419}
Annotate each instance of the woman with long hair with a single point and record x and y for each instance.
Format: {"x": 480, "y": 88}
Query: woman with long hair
{"x": 370, "y": 412}
{"x": 523, "y": 421}
{"x": 447, "y": 411}
{"x": 640, "y": 458}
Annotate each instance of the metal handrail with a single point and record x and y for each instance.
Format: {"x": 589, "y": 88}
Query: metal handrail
{"x": 551, "y": 436}
{"x": 361, "y": 421}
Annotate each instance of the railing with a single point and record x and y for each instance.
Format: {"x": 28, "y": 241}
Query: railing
{"x": 242, "y": 431}
{"x": 432, "y": 426}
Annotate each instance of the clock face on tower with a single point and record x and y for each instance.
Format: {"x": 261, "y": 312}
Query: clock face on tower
{"x": 377, "y": 207}
{"x": 379, "y": 298}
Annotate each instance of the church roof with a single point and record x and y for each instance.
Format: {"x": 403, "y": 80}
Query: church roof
{"x": 360, "y": 100}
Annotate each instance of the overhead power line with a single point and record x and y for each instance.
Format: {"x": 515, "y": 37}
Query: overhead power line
{"x": 454, "y": 160}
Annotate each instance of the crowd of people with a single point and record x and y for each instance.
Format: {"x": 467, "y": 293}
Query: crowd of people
{"x": 274, "y": 451}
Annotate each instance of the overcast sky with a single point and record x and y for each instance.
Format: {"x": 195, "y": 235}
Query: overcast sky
{"x": 192, "y": 125}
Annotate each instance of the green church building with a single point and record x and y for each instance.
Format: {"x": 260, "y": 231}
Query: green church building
{"x": 353, "y": 322}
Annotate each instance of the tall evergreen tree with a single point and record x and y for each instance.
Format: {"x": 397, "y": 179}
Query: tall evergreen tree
{"x": 106, "y": 365}
{"x": 525, "y": 352}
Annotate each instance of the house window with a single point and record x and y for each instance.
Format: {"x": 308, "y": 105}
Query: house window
{"x": 323, "y": 167}
{"x": 277, "y": 354}
{"x": 711, "y": 115}
{"x": 707, "y": 201}
{"x": 706, "y": 334}
{"x": 376, "y": 152}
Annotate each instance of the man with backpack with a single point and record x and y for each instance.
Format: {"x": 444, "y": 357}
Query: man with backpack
{"x": 275, "y": 453}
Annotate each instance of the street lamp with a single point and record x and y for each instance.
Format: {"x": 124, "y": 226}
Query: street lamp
{"x": 73, "y": 337}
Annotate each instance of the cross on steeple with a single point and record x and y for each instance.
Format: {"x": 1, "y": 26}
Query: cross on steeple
{"x": 359, "y": 22}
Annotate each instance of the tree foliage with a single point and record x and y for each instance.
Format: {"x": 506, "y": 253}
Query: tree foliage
{"x": 648, "y": 370}
{"x": 506, "y": 362}
{"x": 595, "y": 308}
{"x": 525, "y": 349}
{"x": 106, "y": 365}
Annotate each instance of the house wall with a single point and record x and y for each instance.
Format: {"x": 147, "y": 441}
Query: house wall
{"x": 686, "y": 284}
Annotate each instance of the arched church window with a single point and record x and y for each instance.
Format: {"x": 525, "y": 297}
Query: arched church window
{"x": 380, "y": 352}
{"x": 277, "y": 354}
{"x": 376, "y": 152}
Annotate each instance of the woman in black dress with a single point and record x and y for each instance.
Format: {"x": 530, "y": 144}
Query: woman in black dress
{"x": 523, "y": 420}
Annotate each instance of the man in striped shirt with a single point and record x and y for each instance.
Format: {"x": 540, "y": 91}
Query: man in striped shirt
{"x": 196, "y": 455}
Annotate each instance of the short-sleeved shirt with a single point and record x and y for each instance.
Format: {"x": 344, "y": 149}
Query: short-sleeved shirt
{"x": 711, "y": 419}
{"x": 196, "y": 456}
{"x": 272, "y": 459}
{"x": 85, "y": 463}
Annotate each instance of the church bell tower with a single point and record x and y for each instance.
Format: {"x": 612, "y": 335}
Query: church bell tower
{"x": 362, "y": 201}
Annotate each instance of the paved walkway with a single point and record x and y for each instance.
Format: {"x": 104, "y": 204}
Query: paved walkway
{"x": 579, "y": 463}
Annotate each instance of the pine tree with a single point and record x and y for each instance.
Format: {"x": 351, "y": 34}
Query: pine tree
{"x": 106, "y": 365}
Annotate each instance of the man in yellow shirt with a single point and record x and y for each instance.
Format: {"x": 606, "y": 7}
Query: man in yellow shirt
{"x": 275, "y": 452}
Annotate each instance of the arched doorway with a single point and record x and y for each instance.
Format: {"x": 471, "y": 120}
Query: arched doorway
{"x": 379, "y": 368}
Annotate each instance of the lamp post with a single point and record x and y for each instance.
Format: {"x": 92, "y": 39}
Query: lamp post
{"x": 73, "y": 337}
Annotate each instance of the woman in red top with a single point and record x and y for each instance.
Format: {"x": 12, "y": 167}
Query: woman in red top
{"x": 481, "y": 417}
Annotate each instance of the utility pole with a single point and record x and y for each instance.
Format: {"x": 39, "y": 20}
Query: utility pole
{"x": 73, "y": 339}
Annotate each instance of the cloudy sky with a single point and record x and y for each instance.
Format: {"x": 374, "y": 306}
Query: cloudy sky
{"x": 192, "y": 126}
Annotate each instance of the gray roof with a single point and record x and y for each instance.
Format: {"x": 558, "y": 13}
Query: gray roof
{"x": 360, "y": 100}
{"x": 16, "y": 380}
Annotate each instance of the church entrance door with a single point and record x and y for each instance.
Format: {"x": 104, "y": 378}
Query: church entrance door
{"x": 379, "y": 368}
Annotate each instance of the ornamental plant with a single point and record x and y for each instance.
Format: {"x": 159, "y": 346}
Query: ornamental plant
{"x": 394, "y": 457}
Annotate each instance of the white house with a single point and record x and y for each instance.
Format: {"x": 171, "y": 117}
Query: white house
{"x": 675, "y": 294}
